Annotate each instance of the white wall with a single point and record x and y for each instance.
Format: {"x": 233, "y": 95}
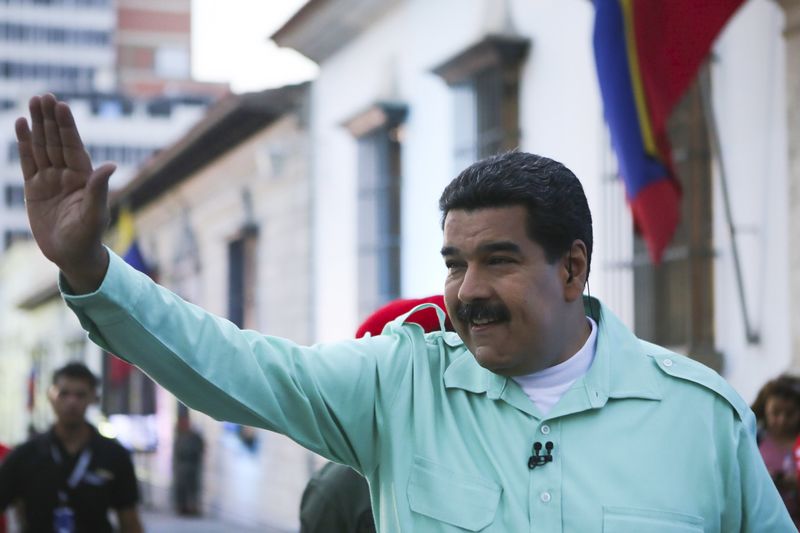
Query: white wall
{"x": 750, "y": 103}
{"x": 561, "y": 117}
{"x": 394, "y": 59}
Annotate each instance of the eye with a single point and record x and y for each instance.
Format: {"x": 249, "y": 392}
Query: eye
{"x": 452, "y": 264}
{"x": 500, "y": 260}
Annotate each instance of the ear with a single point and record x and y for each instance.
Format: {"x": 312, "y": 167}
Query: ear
{"x": 52, "y": 393}
{"x": 574, "y": 270}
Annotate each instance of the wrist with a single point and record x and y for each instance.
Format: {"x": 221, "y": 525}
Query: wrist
{"x": 86, "y": 276}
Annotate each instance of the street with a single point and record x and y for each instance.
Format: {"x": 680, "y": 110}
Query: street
{"x": 161, "y": 522}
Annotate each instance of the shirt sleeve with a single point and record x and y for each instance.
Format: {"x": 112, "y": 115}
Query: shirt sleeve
{"x": 125, "y": 490}
{"x": 324, "y": 397}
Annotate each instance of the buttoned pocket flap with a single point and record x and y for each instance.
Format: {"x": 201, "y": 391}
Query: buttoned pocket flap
{"x": 630, "y": 520}
{"x": 442, "y": 493}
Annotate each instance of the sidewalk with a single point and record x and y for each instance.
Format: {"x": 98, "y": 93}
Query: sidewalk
{"x": 160, "y": 522}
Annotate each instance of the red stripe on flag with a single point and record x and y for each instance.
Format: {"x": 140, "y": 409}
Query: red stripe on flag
{"x": 656, "y": 211}
{"x": 673, "y": 39}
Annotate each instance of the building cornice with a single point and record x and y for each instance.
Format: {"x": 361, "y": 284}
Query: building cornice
{"x": 226, "y": 125}
{"x": 791, "y": 9}
{"x": 491, "y": 51}
{"x": 322, "y": 27}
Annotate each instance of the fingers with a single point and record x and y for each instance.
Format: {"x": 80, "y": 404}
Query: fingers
{"x": 98, "y": 184}
{"x": 73, "y": 151}
{"x": 25, "y": 148}
{"x": 38, "y": 147}
{"x": 52, "y": 138}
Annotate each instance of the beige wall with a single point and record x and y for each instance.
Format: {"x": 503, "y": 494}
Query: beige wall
{"x": 45, "y": 337}
{"x": 209, "y": 208}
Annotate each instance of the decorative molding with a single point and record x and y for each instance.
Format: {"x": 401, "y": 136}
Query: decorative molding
{"x": 504, "y": 51}
{"x": 378, "y": 115}
{"x": 791, "y": 10}
{"x": 321, "y": 28}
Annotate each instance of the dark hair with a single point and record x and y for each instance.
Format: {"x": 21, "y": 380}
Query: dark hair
{"x": 784, "y": 386}
{"x": 558, "y": 212}
{"x": 75, "y": 370}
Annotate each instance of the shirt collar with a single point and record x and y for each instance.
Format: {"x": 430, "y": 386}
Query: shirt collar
{"x": 620, "y": 368}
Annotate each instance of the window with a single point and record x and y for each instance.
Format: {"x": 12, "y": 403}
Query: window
{"x": 674, "y": 301}
{"x": 15, "y": 235}
{"x": 242, "y": 278}
{"x": 124, "y": 155}
{"x": 485, "y": 83}
{"x": 378, "y": 133}
{"x": 48, "y": 34}
{"x": 15, "y": 196}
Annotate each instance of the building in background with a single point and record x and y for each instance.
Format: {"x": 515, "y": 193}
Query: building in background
{"x": 125, "y": 67}
{"x": 61, "y": 45}
{"x": 441, "y": 84}
{"x": 115, "y": 127}
{"x": 153, "y": 49}
{"x": 297, "y": 214}
{"x": 222, "y": 218}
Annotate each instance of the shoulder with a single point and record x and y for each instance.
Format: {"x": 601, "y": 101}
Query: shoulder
{"x": 27, "y": 453}
{"x": 690, "y": 373}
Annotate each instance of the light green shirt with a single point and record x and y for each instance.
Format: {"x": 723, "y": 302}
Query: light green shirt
{"x": 646, "y": 441}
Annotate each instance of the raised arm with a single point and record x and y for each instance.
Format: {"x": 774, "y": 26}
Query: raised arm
{"x": 66, "y": 198}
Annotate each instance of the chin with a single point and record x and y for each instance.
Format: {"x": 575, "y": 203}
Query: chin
{"x": 490, "y": 361}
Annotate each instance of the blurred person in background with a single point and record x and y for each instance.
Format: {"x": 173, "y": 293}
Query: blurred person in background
{"x": 777, "y": 410}
{"x": 69, "y": 478}
{"x": 187, "y": 467}
{"x": 336, "y": 499}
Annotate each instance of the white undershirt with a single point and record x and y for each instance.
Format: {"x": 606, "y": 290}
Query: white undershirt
{"x": 547, "y": 386}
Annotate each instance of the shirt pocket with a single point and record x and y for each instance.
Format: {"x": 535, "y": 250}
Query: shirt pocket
{"x": 466, "y": 501}
{"x": 632, "y": 520}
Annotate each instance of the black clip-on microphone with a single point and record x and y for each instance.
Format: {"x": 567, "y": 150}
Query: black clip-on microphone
{"x": 539, "y": 460}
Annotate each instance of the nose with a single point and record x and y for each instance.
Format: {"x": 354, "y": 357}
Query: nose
{"x": 474, "y": 286}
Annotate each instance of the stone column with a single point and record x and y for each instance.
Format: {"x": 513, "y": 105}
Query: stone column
{"x": 791, "y": 33}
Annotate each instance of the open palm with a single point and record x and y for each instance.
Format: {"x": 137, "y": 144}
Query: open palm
{"x": 65, "y": 197}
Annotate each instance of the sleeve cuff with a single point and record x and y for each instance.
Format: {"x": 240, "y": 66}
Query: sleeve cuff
{"x": 118, "y": 293}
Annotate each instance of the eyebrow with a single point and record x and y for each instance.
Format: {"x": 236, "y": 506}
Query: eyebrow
{"x": 499, "y": 246}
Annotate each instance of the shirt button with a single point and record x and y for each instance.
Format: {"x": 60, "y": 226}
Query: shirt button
{"x": 545, "y": 497}
{"x": 545, "y": 429}
{"x": 668, "y": 362}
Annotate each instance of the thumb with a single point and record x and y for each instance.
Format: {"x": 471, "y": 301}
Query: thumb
{"x": 97, "y": 185}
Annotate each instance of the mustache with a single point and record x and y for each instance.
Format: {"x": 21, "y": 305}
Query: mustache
{"x": 480, "y": 310}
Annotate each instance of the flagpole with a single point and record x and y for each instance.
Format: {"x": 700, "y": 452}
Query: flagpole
{"x": 753, "y": 337}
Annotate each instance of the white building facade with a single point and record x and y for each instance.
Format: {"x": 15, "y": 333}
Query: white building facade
{"x": 430, "y": 60}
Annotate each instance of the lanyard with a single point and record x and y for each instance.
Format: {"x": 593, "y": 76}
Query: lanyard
{"x": 77, "y": 473}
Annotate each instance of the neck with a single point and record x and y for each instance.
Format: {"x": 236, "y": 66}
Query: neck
{"x": 580, "y": 328}
{"x": 72, "y": 436}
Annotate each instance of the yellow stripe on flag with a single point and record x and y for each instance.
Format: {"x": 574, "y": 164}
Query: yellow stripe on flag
{"x": 126, "y": 231}
{"x": 636, "y": 79}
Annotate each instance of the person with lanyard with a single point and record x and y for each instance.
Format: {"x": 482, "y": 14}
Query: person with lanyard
{"x": 480, "y": 429}
{"x": 69, "y": 478}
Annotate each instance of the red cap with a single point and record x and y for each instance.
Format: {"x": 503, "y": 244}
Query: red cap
{"x": 427, "y": 318}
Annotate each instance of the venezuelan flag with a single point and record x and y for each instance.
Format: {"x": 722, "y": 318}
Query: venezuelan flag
{"x": 647, "y": 53}
{"x": 118, "y": 371}
{"x": 127, "y": 245}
